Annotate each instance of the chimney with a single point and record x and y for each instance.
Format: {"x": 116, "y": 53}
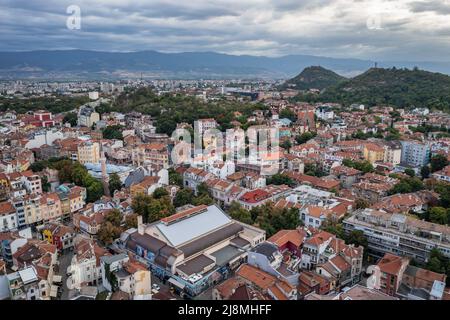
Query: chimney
{"x": 141, "y": 226}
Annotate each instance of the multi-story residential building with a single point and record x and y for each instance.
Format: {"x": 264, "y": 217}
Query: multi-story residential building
{"x": 324, "y": 113}
{"x": 42, "y": 257}
{"x": 258, "y": 197}
{"x": 277, "y": 289}
{"x": 397, "y": 277}
{"x": 59, "y": 235}
{"x": 73, "y": 198}
{"x": 373, "y": 152}
{"x": 147, "y": 186}
{"x": 85, "y": 266}
{"x": 201, "y": 125}
{"x": 330, "y": 257}
{"x": 8, "y": 217}
{"x": 133, "y": 277}
{"x": 87, "y": 116}
{"x": 267, "y": 257}
{"x": 224, "y": 192}
{"x": 415, "y": 153}
{"x": 155, "y": 154}
{"x": 392, "y": 152}
{"x": 346, "y": 175}
{"x": 192, "y": 177}
{"x": 89, "y": 152}
{"x": 399, "y": 234}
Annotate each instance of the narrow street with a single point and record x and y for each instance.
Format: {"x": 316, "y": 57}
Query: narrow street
{"x": 64, "y": 262}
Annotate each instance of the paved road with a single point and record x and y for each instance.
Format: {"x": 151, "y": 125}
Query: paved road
{"x": 64, "y": 262}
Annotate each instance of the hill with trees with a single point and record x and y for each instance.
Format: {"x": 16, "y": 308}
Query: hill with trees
{"x": 314, "y": 77}
{"x": 402, "y": 88}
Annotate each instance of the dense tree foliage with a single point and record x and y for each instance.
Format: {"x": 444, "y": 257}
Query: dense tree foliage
{"x": 170, "y": 109}
{"x": 71, "y": 118}
{"x": 114, "y": 183}
{"x": 397, "y": 87}
{"x": 110, "y": 228}
{"x": 279, "y": 179}
{"x": 305, "y": 137}
{"x": 152, "y": 209}
{"x": 113, "y": 132}
{"x": 438, "y": 162}
{"x": 364, "y": 166}
{"x": 175, "y": 178}
{"x": 56, "y": 104}
{"x": 74, "y": 172}
{"x": 266, "y": 217}
{"x": 407, "y": 185}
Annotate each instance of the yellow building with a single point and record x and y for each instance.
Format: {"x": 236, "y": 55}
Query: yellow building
{"x": 32, "y": 209}
{"x": 50, "y": 206}
{"x": 89, "y": 152}
{"x": 373, "y": 153}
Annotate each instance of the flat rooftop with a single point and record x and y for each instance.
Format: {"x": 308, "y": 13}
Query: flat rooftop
{"x": 224, "y": 255}
{"x": 196, "y": 265}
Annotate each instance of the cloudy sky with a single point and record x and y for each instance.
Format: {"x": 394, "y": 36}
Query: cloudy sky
{"x": 372, "y": 29}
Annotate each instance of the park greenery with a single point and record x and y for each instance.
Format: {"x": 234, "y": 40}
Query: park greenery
{"x": 72, "y": 172}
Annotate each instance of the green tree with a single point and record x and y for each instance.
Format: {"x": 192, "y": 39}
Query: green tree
{"x": 279, "y": 179}
{"x": 71, "y": 118}
{"x": 108, "y": 232}
{"x": 37, "y": 166}
{"x": 438, "y": 215}
{"x": 332, "y": 226}
{"x": 361, "y": 203}
{"x": 159, "y": 193}
{"x": 184, "y": 196}
{"x": 114, "y": 216}
{"x": 410, "y": 172}
{"x": 304, "y": 137}
{"x": 45, "y": 184}
{"x": 357, "y": 238}
{"x": 438, "y": 162}
{"x": 288, "y": 113}
{"x": 131, "y": 221}
{"x": 238, "y": 213}
{"x": 114, "y": 183}
{"x": 175, "y": 178}
{"x": 425, "y": 172}
{"x": 113, "y": 132}
{"x": 202, "y": 189}
{"x": 287, "y": 145}
{"x": 94, "y": 191}
{"x": 437, "y": 262}
{"x": 407, "y": 185}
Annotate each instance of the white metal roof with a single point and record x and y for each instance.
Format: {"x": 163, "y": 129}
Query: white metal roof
{"x": 194, "y": 226}
{"x": 28, "y": 275}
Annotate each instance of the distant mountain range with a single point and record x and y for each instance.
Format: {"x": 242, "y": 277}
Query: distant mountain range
{"x": 81, "y": 64}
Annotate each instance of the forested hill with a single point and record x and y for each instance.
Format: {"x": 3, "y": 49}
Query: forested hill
{"x": 398, "y": 87}
{"x": 314, "y": 77}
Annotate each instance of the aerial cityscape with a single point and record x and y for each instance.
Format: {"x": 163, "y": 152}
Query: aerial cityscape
{"x": 188, "y": 165}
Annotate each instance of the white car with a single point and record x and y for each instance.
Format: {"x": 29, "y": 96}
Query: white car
{"x": 156, "y": 287}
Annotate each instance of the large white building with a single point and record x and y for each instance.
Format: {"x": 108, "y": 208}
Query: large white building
{"x": 194, "y": 248}
{"x": 399, "y": 234}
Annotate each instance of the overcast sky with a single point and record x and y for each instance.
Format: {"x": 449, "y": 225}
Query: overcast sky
{"x": 372, "y": 29}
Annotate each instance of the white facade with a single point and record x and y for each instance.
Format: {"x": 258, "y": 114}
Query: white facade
{"x": 8, "y": 222}
{"x": 44, "y": 137}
